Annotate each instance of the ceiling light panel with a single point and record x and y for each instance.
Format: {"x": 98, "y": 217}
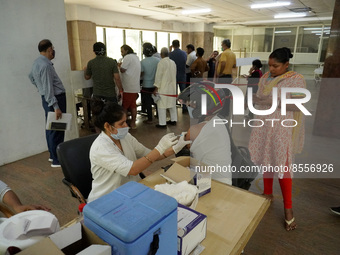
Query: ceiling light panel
{"x": 290, "y": 15}
{"x": 195, "y": 11}
{"x": 269, "y": 5}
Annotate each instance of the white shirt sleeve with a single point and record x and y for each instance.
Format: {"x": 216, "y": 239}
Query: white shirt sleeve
{"x": 3, "y": 190}
{"x": 126, "y": 62}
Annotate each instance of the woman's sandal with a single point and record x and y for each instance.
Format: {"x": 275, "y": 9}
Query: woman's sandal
{"x": 289, "y": 223}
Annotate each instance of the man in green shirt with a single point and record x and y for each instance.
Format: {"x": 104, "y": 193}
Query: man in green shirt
{"x": 104, "y": 73}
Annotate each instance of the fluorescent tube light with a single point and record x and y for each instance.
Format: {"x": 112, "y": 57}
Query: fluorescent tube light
{"x": 268, "y": 5}
{"x": 196, "y": 11}
{"x": 290, "y": 15}
{"x": 312, "y": 28}
{"x": 282, "y": 32}
{"x": 257, "y": 22}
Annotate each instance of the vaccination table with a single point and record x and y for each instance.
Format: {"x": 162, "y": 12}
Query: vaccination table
{"x": 233, "y": 215}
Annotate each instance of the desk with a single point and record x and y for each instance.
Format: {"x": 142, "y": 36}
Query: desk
{"x": 233, "y": 215}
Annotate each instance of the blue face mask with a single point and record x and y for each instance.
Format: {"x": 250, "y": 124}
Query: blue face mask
{"x": 190, "y": 110}
{"x": 122, "y": 132}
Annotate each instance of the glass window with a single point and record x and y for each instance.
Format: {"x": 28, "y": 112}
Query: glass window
{"x": 133, "y": 40}
{"x": 241, "y": 39}
{"x": 162, "y": 40}
{"x": 285, "y": 37}
{"x": 308, "y": 39}
{"x": 220, "y": 35}
{"x": 149, "y": 36}
{"x": 175, "y": 36}
{"x": 262, "y": 40}
{"x": 116, "y": 37}
{"x": 114, "y": 40}
{"x": 100, "y": 34}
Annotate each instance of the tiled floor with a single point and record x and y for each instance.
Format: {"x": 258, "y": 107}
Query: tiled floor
{"x": 318, "y": 229}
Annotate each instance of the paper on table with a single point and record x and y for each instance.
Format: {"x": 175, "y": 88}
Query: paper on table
{"x": 61, "y": 124}
{"x": 30, "y": 226}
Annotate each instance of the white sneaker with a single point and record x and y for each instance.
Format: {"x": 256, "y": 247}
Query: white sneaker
{"x": 50, "y": 160}
{"x": 55, "y": 165}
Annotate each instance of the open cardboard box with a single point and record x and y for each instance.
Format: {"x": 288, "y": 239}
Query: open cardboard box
{"x": 189, "y": 169}
{"x": 71, "y": 239}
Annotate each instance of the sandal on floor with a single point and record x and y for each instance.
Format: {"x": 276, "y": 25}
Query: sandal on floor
{"x": 288, "y": 224}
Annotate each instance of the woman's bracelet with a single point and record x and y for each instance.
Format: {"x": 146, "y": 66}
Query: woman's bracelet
{"x": 148, "y": 159}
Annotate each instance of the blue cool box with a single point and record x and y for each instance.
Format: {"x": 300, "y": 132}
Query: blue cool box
{"x": 129, "y": 217}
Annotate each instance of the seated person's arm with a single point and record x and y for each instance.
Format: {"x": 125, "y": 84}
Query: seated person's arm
{"x": 167, "y": 146}
{"x": 12, "y": 200}
{"x": 141, "y": 164}
{"x": 193, "y": 132}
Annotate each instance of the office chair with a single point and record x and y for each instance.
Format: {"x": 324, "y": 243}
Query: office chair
{"x": 74, "y": 158}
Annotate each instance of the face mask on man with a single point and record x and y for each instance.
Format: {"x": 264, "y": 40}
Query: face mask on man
{"x": 122, "y": 132}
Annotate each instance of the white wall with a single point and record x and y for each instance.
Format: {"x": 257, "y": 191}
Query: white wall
{"x": 22, "y": 25}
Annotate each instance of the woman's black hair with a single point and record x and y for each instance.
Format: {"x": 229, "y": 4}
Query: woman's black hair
{"x": 282, "y": 55}
{"x": 257, "y": 63}
{"x": 106, "y": 112}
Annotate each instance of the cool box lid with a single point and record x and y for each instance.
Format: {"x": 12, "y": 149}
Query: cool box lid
{"x": 130, "y": 211}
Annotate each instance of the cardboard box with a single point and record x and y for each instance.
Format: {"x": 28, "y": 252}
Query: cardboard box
{"x": 191, "y": 229}
{"x": 71, "y": 240}
{"x": 188, "y": 169}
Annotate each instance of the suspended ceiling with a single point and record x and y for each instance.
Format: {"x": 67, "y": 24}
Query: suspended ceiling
{"x": 223, "y": 12}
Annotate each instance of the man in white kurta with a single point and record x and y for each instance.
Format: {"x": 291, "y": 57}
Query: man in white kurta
{"x": 165, "y": 83}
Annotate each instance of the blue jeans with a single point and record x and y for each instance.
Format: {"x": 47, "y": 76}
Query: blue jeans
{"x": 53, "y": 137}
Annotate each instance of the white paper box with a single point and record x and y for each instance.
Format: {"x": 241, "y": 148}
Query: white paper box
{"x": 191, "y": 229}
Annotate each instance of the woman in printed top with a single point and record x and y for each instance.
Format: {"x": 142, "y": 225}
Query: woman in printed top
{"x": 274, "y": 145}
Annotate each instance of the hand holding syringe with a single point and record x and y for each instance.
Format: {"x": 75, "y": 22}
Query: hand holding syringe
{"x": 181, "y": 143}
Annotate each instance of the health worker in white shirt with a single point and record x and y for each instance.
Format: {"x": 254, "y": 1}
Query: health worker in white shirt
{"x": 116, "y": 156}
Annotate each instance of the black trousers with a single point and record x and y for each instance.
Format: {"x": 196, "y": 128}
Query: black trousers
{"x": 147, "y": 101}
